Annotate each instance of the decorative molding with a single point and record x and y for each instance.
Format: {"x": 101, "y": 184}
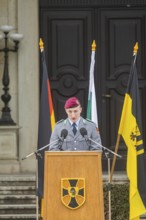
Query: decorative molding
{"x": 91, "y": 3}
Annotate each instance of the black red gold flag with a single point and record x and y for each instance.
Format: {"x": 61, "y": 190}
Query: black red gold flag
{"x": 46, "y": 122}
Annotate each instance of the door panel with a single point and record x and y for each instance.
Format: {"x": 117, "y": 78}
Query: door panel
{"x": 120, "y": 30}
{"x": 67, "y": 36}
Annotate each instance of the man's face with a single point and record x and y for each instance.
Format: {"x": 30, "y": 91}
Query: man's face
{"x": 74, "y": 113}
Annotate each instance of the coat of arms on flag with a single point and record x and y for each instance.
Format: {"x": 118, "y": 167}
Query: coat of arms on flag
{"x": 73, "y": 192}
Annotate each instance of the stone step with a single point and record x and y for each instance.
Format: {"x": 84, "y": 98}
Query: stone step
{"x": 18, "y": 216}
{"x": 143, "y": 217}
{"x": 17, "y": 199}
{"x": 17, "y": 190}
{"x": 18, "y": 209}
{"x": 17, "y": 183}
{"x": 18, "y": 178}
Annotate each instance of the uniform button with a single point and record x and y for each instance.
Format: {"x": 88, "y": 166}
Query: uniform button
{"x": 75, "y": 148}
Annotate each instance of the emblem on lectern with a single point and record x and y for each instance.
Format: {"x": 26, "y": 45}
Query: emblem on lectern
{"x": 73, "y": 192}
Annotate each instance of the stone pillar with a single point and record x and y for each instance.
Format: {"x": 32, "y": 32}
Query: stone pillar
{"x": 28, "y": 82}
{"x": 16, "y": 143}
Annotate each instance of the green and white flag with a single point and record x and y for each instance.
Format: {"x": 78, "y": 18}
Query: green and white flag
{"x": 92, "y": 108}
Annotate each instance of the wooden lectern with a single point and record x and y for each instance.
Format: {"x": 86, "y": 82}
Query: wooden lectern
{"x": 73, "y": 186}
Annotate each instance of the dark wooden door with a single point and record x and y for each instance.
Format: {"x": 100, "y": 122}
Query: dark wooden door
{"x": 67, "y": 35}
{"x": 120, "y": 30}
{"x": 68, "y": 32}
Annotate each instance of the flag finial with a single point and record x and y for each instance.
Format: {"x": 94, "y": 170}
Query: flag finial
{"x": 135, "y": 49}
{"x": 93, "y": 46}
{"x": 41, "y": 44}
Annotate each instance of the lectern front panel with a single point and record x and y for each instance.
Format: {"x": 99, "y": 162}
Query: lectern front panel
{"x": 73, "y": 186}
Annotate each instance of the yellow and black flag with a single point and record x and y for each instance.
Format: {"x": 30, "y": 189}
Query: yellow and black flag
{"x": 130, "y": 128}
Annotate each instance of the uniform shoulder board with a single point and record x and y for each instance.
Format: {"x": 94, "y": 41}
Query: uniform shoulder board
{"x": 58, "y": 122}
{"x": 89, "y": 120}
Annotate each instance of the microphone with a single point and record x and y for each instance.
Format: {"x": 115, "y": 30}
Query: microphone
{"x": 64, "y": 134}
{"x": 83, "y": 131}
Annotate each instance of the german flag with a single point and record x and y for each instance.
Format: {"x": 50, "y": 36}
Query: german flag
{"x": 130, "y": 128}
{"x": 46, "y": 120}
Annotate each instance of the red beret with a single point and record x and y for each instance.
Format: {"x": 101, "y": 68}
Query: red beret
{"x": 72, "y": 103}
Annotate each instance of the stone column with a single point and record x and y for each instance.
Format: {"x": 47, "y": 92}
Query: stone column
{"x": 28, "y": 82}
{"x": 20, "y": 140}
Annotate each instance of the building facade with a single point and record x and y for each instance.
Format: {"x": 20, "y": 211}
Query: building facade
{"x": 68, "y": 29}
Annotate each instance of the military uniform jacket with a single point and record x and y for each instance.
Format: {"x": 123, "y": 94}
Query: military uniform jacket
{"x": 75, "y": 142}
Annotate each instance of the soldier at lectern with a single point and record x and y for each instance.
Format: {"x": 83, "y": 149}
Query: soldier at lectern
{"x": 74, "y": 132}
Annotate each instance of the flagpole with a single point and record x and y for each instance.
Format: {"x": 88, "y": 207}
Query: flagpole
{"x": 91, "y": 106}
{"x": 135, "y": 52}
{"x": 114, "y": 158}
{"x": 41, "y": 44}
{"x": 109, "y": 183}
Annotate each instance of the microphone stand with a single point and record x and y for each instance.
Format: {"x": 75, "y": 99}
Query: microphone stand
{"x": 107, "y": 151}
{"x": 109, "y": 184}
{"x": 104, "y": 148}
{"x": 37, "y": 154}
{"x": 37, "y": 151}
